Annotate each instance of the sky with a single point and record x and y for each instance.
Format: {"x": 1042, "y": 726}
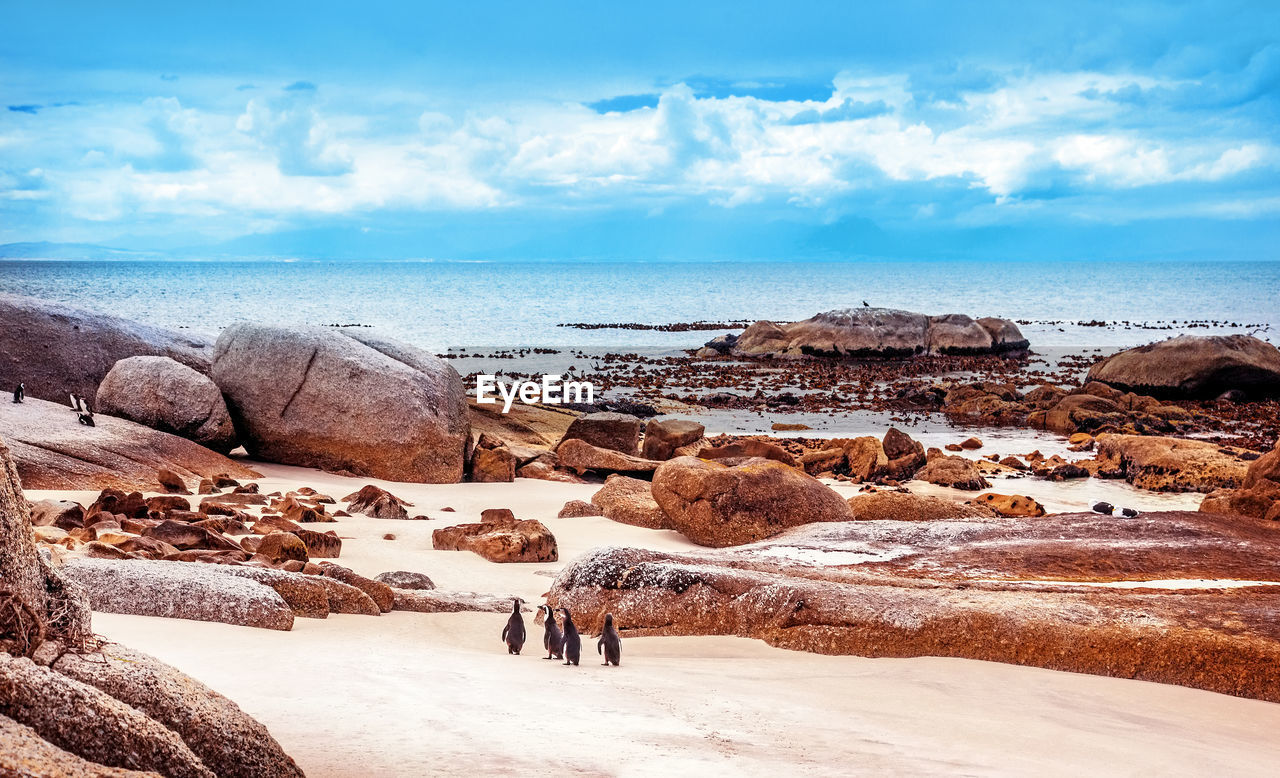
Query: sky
{"x": 656, "y": 130}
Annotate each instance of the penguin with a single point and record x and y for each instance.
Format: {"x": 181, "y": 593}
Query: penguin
{"x": 19, "y": 393}
{"x": 513, "y": 633}
{"x": 552, "y": 637}
{"x": 86, "y": 415}
{"x": 610, "y": 643}
{"x": 572, "y": 640}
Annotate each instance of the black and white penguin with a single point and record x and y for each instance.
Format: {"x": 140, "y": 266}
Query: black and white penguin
{"x": 572, "y": 640}
{"x": 19, "y": 393}
{"x": 552, "y": 637}
{"x": 513, "y": 633}
{"x": 610, "y": 643}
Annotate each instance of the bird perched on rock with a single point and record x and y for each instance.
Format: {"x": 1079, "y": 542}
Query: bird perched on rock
{"x": 610, "y": 643}
{"x": 19, "y": 393}
{"x": 552, "y": 637}
{"x": 572, "y": 640}
{"x": 513, "y": 633}
{"x": 83, "y": 411}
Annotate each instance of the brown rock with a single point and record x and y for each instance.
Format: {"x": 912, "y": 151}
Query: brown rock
{"x": 500, "y": 541}
{"x": 1196, "y": 367}
{"x": 345, "y": 598}
{"x": 970, "y": 444}
{"x": 406, "y": 579}
{"x": 1011, "y": 505}
{"x": 378, "y": 503}
{"x": 379, "y": 592}
{"x": 167, "y": 502}
{"x": 580, "y": 456}
{"x": 166, "y": 395}
{"x": 663, "y": 437}
{"x": 717, "y": 505}
{"x": 629, "y": 501}
{"x": 613, "y": 431}
{"x": 1015, "y": 463}
{"x": 956, "y": 472}
{"x": 904, "y": 506}
{"x": 749, "y": 448}
{"x": 437, "y": 601}
{"x": 577, "y": 508}
{"x": 323, "y": 545}
{"x": 493, "y": 465}
{"x": 1077, "y": 412}
{"x": 280, "y": 546}
{"x": 62, "y": 514}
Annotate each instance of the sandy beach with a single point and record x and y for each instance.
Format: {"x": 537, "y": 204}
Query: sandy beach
{"x": 436, "y": 694}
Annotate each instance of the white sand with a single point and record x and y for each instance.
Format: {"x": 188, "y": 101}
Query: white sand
{"x": 436, "y": 694}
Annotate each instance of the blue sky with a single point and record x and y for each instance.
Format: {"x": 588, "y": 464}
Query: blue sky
{"x": 662, "y": 130}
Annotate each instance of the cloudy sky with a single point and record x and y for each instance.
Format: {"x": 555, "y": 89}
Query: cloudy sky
{"x": 646, "y": 130}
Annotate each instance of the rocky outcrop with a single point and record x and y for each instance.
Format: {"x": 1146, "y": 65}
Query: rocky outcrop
{"x": 27, "y": 754}
{"x": 581, "y": 456}
{"x": 1195, "y": 367}
{"x": 995, "y": 589}
{"x": 57, "y": 349}
{"x": 663, "y": 437}
{"x": 713, "y": 504}
{"x": 54, "y": 451}
{"x": 613, "y": 431}
{"x": 879, "y": 332}
{"x": 178, "y": 590}
{"x": 166, "y": 395}
{"x": 212, "y": 726}
{"x": 904, "y": 506}
{"x": 342, "y": 401}
{"x": 629, "y": 501}
{"x": 956, "y": 472}
{"x": 500, "y": 539}
{"x": 1172, "y": 464}
{"x": 92, "y": 724}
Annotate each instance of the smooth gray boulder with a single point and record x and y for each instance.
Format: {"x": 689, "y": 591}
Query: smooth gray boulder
{"x": 166, "y": 395}
{"x": 358, "y": 404}
{"x": 56, "y": 349}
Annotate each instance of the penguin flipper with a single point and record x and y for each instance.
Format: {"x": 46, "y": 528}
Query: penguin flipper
{"x": 505, "y": 630}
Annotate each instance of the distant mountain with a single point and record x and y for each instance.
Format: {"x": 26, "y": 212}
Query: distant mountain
{"x": 48, "y": 250}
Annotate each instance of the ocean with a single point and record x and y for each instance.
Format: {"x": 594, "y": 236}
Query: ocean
{"x": 441, "y": 305}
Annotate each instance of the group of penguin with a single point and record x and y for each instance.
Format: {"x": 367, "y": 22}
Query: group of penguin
{"x": 562, "y": 642}
{"x": 79, "y": 404}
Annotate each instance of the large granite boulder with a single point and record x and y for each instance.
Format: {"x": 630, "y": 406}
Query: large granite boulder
{"x": 54, "y": 451}
{"x": 90, "y": 723}
{"x": 614, "y": 431}
{"x": 713, "y": 504}
{"x": 57, "y": 349}
{"x": 629, "y": 501}
{"x": 1195, "y": 366}
{"x": 222, "y": 735}
{"x": 1172, "y": 464}
{"x": 1022, "y": 591}
{"x": 166, "y": 395}
{"x": 178, "y": 590}
{"x": 341, "y": 401}
{"x": 27, "y": 754}
{"x": 879, "y": 332}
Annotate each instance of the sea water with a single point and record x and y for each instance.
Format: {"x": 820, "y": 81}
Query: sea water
{"x": 440, "y": 305}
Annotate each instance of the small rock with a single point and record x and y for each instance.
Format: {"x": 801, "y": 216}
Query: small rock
{"x": 406, "y": 579}
{"x": 971, "y": 443}
{"x": 578, "y": 508}
{"x": 171, "y": 481}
